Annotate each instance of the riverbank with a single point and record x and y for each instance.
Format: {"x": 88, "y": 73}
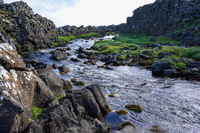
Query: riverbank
{"x": 162, "y": 55}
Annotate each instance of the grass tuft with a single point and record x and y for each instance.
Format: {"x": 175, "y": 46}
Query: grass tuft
{"x": 36, "y": 111}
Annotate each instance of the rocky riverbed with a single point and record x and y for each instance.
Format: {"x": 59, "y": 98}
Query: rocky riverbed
{"x": 169, "y": 105}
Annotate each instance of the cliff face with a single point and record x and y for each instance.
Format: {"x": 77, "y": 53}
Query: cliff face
{"x": 163, "y": 16}
{"x": 73, "y": 30}
{"x": 29, "y": 30}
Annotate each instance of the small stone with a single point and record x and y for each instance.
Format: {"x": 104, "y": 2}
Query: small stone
{"x": 111, "y": 95}
{"x": 136, "y": 108}
{"x": 73, "y": 80}
{"x": 122, "y": 112}
{"x": 79, "y": 83}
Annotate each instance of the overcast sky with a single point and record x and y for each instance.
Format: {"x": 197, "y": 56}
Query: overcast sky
{"x": 85, "y": 12}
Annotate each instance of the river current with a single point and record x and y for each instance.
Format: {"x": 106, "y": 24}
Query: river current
{"x": 173, "y": 105}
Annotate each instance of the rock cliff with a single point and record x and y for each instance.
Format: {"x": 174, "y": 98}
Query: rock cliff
{"x": 28, "y": 30}
{"x": 73, "y": 30}
{"x": 163, "y": 16}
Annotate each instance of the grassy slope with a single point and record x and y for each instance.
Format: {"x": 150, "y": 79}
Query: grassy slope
{"x": 134, "y": 43}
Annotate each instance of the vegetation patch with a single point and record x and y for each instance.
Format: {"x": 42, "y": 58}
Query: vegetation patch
{"x": 110, "y": 33}
{"x": 36, "y": 111}
{"x": 193, "y": 53}
{"x": 55, "y": 44}
{"x": 67, "y": 38}
{"x": 70, "y": 38}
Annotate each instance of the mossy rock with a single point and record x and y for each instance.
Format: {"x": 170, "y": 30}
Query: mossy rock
{"x": 101, "y": 66}
{"x": 111, "y": 95}
{"x": 86, "y": 62}
{"x": 73, "y": 80}
{"x": 62, "y": 73}
{"x": 79, "y": 83}
{"x": 93, "y": 63}
{"x": 68, "y": 86}
{"x": 135, "y": 108}
{"x": 122, "y": 112}
{"x": 143, "y": 84}
{"x": 107, "y": 108}
{"x": 126, "y": 124}
{"x": 156, "y": 129}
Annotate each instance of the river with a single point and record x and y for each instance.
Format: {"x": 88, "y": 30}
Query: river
{"x": 171, "y": 104}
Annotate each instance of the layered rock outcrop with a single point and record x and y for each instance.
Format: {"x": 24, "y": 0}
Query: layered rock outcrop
{"x": 163, "y": 16}
{"x": 76, "y": 31}
{"x": 28, "y": 30}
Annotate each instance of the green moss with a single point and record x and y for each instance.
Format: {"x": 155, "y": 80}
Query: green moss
{"x": 180, "y": 65}
{"x": 111, "y": 95}
{"x": 156, "y": 129}
{"x": 55, "y": 44}
{"x": 36, "y": 111}
{"x": 122, "y": 57}
{"x": 110, "y": 33}
{"x": 172, "y": 50}
{"x": 73, "y": 80}
{"x": 136, "y": 108}
{"x": 54, "y": 92}
{"x": 143, "y": 84}
{"x": 193, "y": 53}
{"x": 107, "y": 108}
{"x": 67, "y": 38}
{"x": 122, "y": 112}
{"x": 69, "y": 87}
{"x": 198, "y": 6}
{"x": 125, "y": 124}
{"x": 61, "y": 96}
{"x": 133, "y": 42}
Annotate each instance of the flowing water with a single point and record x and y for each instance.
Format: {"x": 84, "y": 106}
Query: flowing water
{"x": 171, "y": 104}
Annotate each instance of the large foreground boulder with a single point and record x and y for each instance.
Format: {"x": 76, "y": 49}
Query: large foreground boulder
{"x": 51, "y": 79}
{"x": 20, "y": 89}
{"x": 16, "y": 94}
{"x": 92, "y": 99}
{"x": 9, "y": 57}
{"x": 62, "y": 118}
{"x": 59, "y": 55}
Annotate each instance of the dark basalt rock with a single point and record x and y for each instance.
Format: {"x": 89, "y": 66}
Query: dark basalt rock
{"x": 156, "y": 16}
{"x": 82, "y": 56}
{"x": 159, "y": 67}
{"x": 30, "y": 30}
{"x": 92, "y": 99}
{"x": 55, "y": 66}
{"x": 43, "y": 94}
{"x": 64, "y": 69}
{"x": 52, "y": 80}
{"x": 59, "y": 55}
{"x": 73, "y": 30}
{"x": 146, "y": 57}
{"x": 67, "y": 85}
{"x": 62, "y": 118}
{"x": 75, "y": 60}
